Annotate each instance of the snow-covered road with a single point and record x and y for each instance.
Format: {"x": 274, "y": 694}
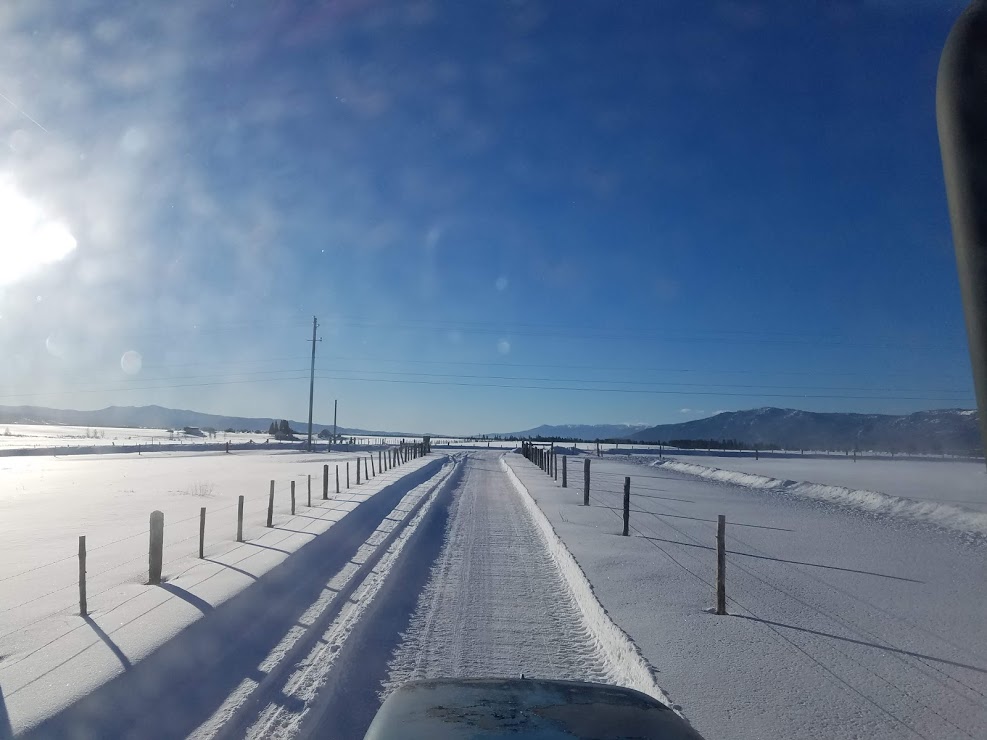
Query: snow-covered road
{"x": 479, "y": 591}
{"x": 496, "y": 604}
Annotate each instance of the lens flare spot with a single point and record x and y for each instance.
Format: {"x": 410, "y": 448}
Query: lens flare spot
{"x": 504, "y": 347}
{"x": 55, "y": 347}
{"x": 131, "y": 362}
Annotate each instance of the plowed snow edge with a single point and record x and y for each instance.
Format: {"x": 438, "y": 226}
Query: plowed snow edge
{"x": 626, "y": 661}
{"x": 943, "y": 515}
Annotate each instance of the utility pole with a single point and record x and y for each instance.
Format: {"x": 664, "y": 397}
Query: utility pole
{"x": 311, "y": 382}
{"x": 335, "y": 407}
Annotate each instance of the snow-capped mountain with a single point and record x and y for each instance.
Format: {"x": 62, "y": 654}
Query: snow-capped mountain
{"x": 943, "y": 430}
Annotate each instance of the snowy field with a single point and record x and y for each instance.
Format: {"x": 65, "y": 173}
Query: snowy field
{"x": 844, "y": 624}
{"x": 469, "y": 443}
{"x": 43, "y": 436}
{"x": 31, "y": 436}
{"x": 48, "y": 654}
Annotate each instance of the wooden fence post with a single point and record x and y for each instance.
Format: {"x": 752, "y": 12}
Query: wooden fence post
{"x": 721, "y": 565}
{"x": 373, "y": 470}
{"x": 358, "y": 471}
{"x": 347, "y": 476}
{"x": 325, "y": 481}
{"x": 155, "y": 552}
{"x": 239, "y": 520}
{"x": 627, "y": 504}
{"x": 565, "y": 471}
{"x": 555, "y": 465}
{"x": 310, "y": 490}
{"x": 202, "y": 532}
{"x": 270, "y": 507}
{"x": 83, "y": 607}
{"x": 365, "y": 476}
{"x": 586, "y": 482}
{"x": 292, "y": 498}
{"x": 337, "y": 479}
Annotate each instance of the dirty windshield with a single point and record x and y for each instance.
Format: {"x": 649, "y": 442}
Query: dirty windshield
{"x": 350, "y": 344}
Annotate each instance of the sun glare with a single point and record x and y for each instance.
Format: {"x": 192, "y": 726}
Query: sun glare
{"x": 29, "y": 238}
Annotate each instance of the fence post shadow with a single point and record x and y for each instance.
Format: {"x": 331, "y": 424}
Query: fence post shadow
{"x": 6, "y": 731}
{"x": 199, "y": 603}
{"x": 124, "y": 660}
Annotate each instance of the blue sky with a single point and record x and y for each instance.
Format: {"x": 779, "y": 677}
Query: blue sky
{"x": 503, "y": 213}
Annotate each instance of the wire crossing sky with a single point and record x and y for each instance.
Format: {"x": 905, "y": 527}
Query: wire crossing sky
{"x": 502, "y": 213}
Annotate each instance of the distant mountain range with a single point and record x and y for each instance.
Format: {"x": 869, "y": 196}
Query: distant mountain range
{"x": 946, "y": 430}
{"x": 579, "y": 431}
{"x": 157, "y": 417}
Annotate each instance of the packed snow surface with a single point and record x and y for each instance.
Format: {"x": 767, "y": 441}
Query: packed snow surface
{"x": 500, "y": 601}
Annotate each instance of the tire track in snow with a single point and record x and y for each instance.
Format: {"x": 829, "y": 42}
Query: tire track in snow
{"x": 496, "y": 603}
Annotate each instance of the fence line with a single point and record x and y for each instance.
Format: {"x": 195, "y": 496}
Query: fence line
{"x": 546, "y": 459}
{"x": 158, "y": 540}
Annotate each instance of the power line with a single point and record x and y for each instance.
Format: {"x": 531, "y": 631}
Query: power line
{"x": 404, "y": 379}
{"x": 582, "y": 334}
{"x": 507, "y": 326}
{"x": 567, "y": 366}
{"x": 643, "y": 391}
{"x": 650, "y": 382}
{"x": 770, "y": 386}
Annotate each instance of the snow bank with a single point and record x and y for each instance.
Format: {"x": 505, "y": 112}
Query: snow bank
{"x": 627, "y": 664}
{"x": 928, "y": 512}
